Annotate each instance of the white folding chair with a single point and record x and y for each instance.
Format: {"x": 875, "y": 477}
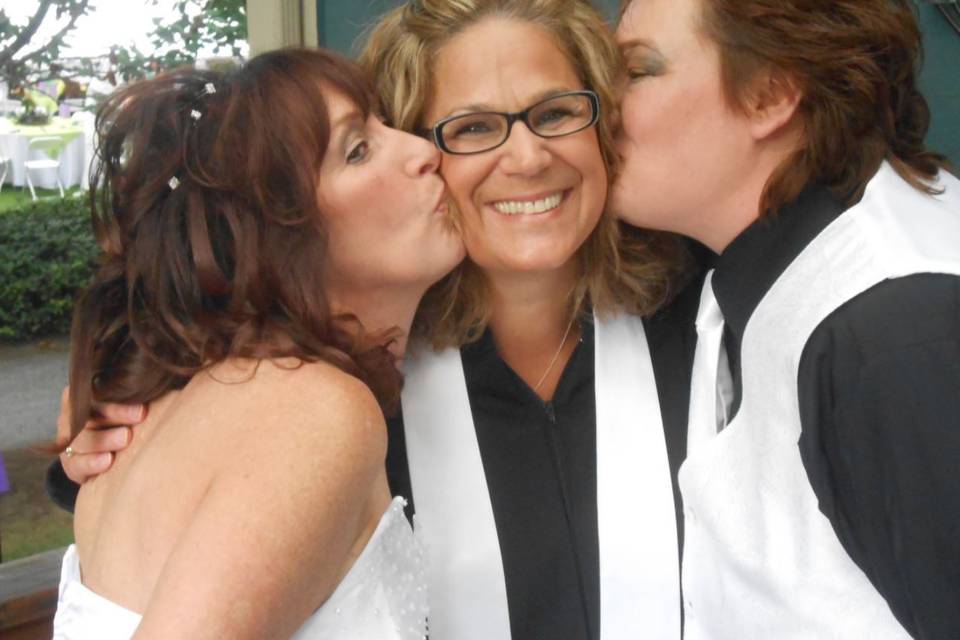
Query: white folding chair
{"x": 87, "y": 120}
{"x": 5, "y": 163}
{"x": 43, "y": 144}
{"x": 5, "y": 160}
{"x": 8, "y": 106}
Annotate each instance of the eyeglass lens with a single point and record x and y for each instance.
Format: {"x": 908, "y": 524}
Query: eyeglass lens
{"x": 554, "y": 117}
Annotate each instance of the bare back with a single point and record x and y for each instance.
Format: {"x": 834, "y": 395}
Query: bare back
{"x": 250, "y": 454}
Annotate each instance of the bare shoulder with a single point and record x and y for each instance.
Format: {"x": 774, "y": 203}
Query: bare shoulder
{"x": 295, "y": 454}
{"x": 291, "y": 409}
{"x": 318, "y": 385}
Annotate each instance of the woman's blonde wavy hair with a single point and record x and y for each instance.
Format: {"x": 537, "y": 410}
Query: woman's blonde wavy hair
{"x": 622, "y": 268}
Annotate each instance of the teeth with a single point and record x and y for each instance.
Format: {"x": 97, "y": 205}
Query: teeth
{"x": 527, "y": 207}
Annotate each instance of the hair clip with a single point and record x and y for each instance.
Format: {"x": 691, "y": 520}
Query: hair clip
{"x": 173, "y": 183}
{"x": 197, "y": 105}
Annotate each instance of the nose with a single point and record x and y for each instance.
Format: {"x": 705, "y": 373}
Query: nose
{"x": 422, "y": 156}
{"x": 524, "y": 153}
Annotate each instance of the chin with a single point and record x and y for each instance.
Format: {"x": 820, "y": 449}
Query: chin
{"x": 539, "y": 264}
{"x": 446, "y": 258}
{"x": 631, "y": 211}
{"x": 619, "y": 204}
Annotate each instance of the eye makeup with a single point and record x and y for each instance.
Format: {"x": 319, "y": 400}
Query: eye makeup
{"x": 640, "y": 61}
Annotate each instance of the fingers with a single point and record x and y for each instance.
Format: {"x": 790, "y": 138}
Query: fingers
{"x": 63, "y": 420}
{"x": 120, "y": 414}
{"x": 91, "y": 452}
{"x": 96, "y": 440}
{"x": 106, "y": 415}
{"x": 83, "y": 466}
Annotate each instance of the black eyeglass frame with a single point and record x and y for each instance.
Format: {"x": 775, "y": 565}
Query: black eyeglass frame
{"x": 434, "y": 132}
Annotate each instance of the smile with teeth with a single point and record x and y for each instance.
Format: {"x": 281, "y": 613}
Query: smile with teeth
{"x": 528, "y": 207}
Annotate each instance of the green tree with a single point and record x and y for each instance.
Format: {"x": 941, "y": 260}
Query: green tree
{"x": 218, "y": 26}
{"x": 22, "y": 58}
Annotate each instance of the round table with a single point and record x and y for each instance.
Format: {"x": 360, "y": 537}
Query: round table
{"x": 72, "y": 153}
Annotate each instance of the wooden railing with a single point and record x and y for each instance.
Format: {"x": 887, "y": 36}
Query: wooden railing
{"x": 28, "y": 596}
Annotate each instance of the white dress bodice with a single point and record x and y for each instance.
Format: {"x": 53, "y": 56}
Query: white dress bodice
{"x": 382, "y": 597}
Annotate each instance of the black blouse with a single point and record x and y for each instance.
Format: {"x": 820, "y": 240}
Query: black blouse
{"x": 540, "y": 462}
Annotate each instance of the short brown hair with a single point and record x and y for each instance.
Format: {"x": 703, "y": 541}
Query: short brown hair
{"x": 856, "y": 64}
{"x": 622, "y": 268}
{"x": 205, "y": 207}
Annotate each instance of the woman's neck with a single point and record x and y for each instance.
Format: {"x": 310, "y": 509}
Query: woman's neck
{"x": 532, "y": 325}
{"x": 740, "y": 207}
{"x": 381, "y": 310}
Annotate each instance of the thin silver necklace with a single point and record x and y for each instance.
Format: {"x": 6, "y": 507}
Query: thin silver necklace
{"x": 556, "y": 355}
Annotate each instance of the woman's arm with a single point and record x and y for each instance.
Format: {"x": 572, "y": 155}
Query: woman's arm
{"x": 880, "y": 402}
{"x": 293, "y": 492}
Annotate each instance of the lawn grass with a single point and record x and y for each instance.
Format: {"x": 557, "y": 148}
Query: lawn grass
{"x": 29, "y": 522}
{"x": 15, "y": 197}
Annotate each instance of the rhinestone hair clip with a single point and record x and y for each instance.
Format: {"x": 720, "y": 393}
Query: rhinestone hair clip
{"x": 208, "y": 90}
{"x": 195, "y": 114}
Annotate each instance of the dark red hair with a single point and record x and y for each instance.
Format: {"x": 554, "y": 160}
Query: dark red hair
{"x": 226, "y": 260}
{"x": 856, "y": 63}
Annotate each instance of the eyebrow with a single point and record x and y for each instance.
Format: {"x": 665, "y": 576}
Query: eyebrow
{"x": 338, "y": 133}
{"x": 353, "y": 114}
{"x": 629, "y": 45}
{"x": 481, "y": 106}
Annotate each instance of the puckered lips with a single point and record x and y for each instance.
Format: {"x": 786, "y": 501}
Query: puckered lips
{"x": 440, "y": 206}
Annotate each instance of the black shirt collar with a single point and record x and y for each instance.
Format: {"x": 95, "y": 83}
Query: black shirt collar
{"x": 488, "y": 375}
{"x": 759, "y": 255}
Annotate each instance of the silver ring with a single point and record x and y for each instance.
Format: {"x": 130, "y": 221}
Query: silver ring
{"x": 68, "y": 452}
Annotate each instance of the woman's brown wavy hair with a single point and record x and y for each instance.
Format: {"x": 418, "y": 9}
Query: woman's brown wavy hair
{"x": 622, "y": 268}
{"x": 856, "y": 64}
{"x": 227, "y": 263}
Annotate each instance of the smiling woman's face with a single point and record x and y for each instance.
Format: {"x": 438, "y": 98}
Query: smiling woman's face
{"x": 529, "y": 204}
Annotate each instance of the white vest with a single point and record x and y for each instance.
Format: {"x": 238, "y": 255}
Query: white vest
{"x": 760, "y": 559}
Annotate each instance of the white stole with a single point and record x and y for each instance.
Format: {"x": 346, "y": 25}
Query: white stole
{"x": 639, "y": 563}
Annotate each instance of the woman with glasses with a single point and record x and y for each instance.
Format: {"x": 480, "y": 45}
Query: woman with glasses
{"x": 531, "y": 440}
{"x": 531, "y": 437}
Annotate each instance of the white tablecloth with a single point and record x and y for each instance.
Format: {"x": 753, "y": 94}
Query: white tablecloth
{"x": 73, "y": 162}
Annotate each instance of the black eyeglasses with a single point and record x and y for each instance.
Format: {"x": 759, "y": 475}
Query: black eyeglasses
{"x": 557, "y": 116}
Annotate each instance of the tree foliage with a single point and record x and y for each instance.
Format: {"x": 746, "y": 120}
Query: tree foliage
{"x": 24, "y": 59}
{"x": 195, "y": 27}
{"x": 215, "y": 26}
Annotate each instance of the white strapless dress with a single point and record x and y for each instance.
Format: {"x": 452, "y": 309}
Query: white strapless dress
{"x": 382, "y": 597}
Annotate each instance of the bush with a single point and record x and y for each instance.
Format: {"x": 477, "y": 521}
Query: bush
{"x": 47, "y": 254}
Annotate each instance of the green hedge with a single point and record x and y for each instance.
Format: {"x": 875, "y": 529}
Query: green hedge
{"x": 47, "y": 254}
